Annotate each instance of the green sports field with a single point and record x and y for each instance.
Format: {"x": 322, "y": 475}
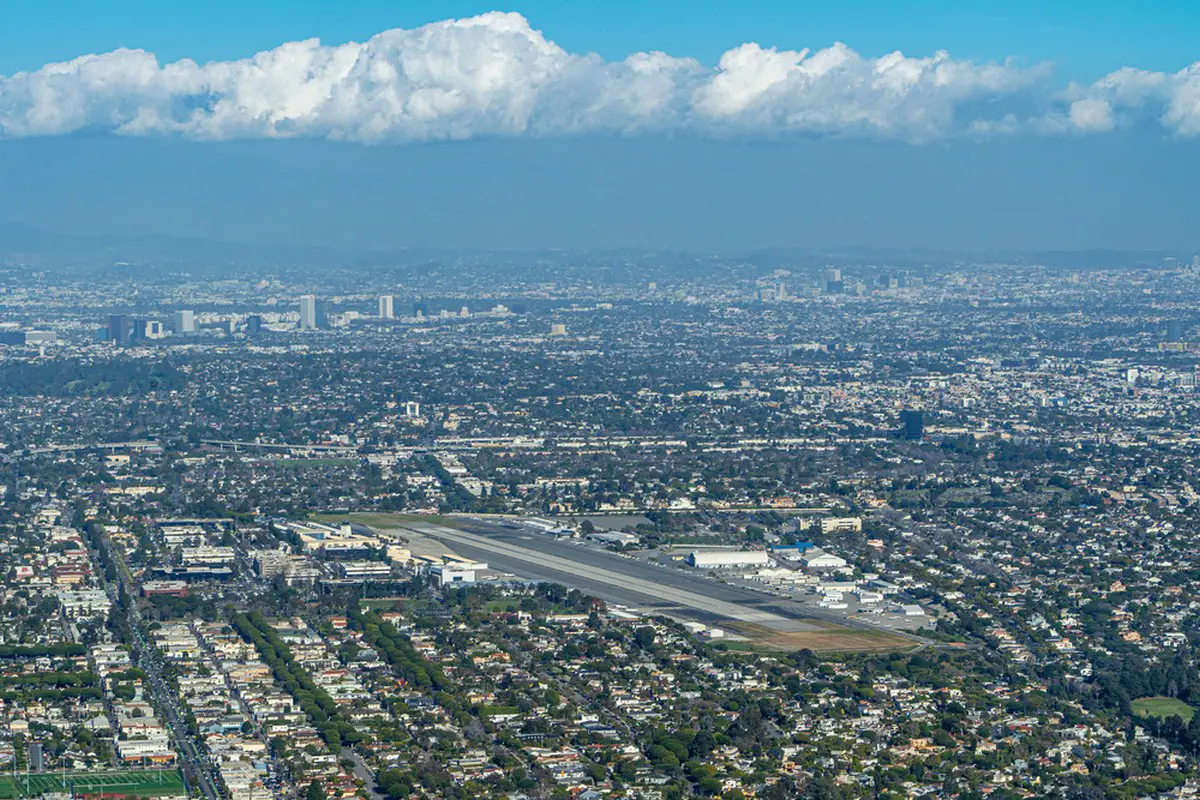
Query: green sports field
{"x": 139, "y": 782}
{"x": 1162, "y": 707}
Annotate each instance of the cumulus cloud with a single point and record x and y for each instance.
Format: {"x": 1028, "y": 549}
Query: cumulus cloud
{"x": 1092, "y": 114}
{"x": 495, "y": 75}
{"x": 1170, "y": 99}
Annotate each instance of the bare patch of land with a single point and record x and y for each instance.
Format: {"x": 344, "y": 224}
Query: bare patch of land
{"x": 829, "y": 638}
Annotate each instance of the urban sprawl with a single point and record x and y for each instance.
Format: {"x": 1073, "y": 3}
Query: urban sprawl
{"x": 600, "y": 526}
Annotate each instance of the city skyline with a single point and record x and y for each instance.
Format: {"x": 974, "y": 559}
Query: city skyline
{"x": 599, "y": 400}
{"x": 603, "y": 514}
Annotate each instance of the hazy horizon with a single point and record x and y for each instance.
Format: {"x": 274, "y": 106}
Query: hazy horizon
{"x": 1123, "y": 192}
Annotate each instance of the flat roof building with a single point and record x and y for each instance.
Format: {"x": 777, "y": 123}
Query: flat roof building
{"x": 728, "y": 559}
{"x": 447, "y": 575}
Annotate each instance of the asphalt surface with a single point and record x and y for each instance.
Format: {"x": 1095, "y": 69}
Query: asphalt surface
{"x": 628, "y": 581}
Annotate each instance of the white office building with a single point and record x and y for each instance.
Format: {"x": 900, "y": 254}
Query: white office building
{"x": 387, "y": 307}
{"x": 446, "y": 575}
{"x": 841, "y": 525}
{"x": 308, "y": 312}
{"x": 185, "y": 323}
{"x": 84, "y": 603}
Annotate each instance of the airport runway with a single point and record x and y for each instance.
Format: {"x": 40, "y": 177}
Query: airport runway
{"x": 637, "y": 584}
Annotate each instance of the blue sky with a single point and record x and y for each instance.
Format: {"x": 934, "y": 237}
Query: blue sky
{"x": 502, "y": 132}
{"x": 1084, "y": 39}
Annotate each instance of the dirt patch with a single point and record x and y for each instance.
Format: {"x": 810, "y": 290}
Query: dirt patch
{"x": 829, "y": 638}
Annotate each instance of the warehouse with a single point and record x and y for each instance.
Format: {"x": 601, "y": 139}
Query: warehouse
{"x": 726, "y": 559}
{"x": 792, "y": 552}
{"x": 819, "y": 559}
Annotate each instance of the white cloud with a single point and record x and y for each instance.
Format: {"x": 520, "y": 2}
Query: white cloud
{"x": 494, "y": 75}
{"x": 1092, "y": 114}
{"x": 746, "y": 73}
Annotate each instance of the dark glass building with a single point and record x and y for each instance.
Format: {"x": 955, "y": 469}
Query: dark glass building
{"x": 912, "y": 424}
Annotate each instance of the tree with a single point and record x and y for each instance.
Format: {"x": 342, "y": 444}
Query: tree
{"x": 644, "y": 637}
{"x": 315, "y": 791}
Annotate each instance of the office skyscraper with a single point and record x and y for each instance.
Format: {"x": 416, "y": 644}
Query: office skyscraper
{"x": 308, "y": 312}
{"x": 120, "y": 329}
{"x": 387, "y": 307}
{"x": 833, "y": 280}
{"x": 912, "y": 424}
{"x": 185, "y": 323}
{"x": 253, "y": 324}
